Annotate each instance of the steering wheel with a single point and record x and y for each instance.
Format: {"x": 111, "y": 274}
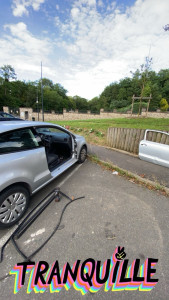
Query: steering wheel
{"x": 46, "y": 139}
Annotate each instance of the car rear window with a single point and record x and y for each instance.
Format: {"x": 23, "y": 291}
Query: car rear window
{"x": 18, "y": 140}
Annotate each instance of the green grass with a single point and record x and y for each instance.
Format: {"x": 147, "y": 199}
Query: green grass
{"x": 104, "y": 124}
{"x": 99, "y": 126}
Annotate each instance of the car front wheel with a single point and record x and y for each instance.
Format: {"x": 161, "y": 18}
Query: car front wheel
{"x": 13, "y": 205}
{"x": 82, "y": 154}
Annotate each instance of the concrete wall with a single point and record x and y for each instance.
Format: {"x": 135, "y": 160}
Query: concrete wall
{"x": 24, "y": 112}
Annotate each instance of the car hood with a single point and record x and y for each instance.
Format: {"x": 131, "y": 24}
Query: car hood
{"x": 79, "y": 137}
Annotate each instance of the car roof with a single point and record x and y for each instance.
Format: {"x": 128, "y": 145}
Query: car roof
{"x": 12, "y": 125}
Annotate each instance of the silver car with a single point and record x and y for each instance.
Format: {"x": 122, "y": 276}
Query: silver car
{"x": 32, "y": 154}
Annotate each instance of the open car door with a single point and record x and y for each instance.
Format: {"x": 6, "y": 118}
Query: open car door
{"x": 59, "y": 146}
{"x": 157, "y": 153}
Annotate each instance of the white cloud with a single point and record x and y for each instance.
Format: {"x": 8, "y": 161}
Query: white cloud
{"x": 93, "y": 49}
{"x": 91, "y": 2}
{"x": 105, "y": 48}
{"x": 75, "y": 12}
{"x": 84, "y": 2}
{"x": 20, "y": 7}
{"x": 57, "y": 21}
{"x": 100, "y": 3}
{"x": 23, "y": 38}
{"x": 24, "y": 51}
{"x": 57, "y": 6}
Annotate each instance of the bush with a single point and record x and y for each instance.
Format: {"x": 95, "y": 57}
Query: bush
{"x": 164, "y": 104}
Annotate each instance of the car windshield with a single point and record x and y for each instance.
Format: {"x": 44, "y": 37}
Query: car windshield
{"x": 43, "y": 130}
{"x": 5, "y": 115}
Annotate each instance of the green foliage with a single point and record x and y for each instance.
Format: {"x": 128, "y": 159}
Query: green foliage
{"x": 147, "y": 90}
{"x": 164, "y": 104}
{"x": 94, "y": 105}
{"x": 81, "y": 103}
{"x": 117, "y": 95}
{"x": 7, "y": 72}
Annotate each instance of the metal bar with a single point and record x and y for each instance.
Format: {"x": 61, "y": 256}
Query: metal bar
{"x": 22, "y": 224}
{"x": 27, "y": 224}
{"x": 158, "y": 131}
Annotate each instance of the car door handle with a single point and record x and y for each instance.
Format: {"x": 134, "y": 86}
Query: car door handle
{"x": 143, "y": 144}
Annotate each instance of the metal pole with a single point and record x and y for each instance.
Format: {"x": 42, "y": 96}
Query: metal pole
{"x": 37, "y": 102}
{"x": 42, "y": 94}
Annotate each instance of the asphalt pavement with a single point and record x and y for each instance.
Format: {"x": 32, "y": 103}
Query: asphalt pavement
{"x": 132, "y": 163}
{"x": 115, "y": 212}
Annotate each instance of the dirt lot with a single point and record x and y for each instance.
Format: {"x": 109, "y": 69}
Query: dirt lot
{"x": 115, "y": 212}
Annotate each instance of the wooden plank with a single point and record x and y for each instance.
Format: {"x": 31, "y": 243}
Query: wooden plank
{"x": 167, "y": 140}
{"x": 124, "y": 138}
{"x": 154, "y": 137}
{"x": 129, "y": 140}
{"x": 149, "y": 136}
{"x": 117, "y": 138}
{"x": 158, "y": 138}
{"x": 127, "y": 137}
{"x": 112, "y": 136}
{"x": 143, "y": 98}
{"x": 114, "y": 132}
{"x": 142, "y": 134}
{"x": 163, "y": 138}
{"x": 108, "y": 136}
{"x": 133, "y": 140}
{"x": 121, "y": 138}
{"x": 137, "y": 141}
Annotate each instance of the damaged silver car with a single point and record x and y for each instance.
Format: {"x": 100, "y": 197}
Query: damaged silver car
{"x": 32, "y": 154}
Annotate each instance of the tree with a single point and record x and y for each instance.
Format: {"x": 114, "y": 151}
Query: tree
{"x": 7, "y": 72}
{"x": 164, "y": 104}
{"x": 46, "y": 83}
{"x": 71, "y": 103}
{"x": 109, "y": 95}
{"x": 94, "y": 104}
{"x": 81, "y": 103}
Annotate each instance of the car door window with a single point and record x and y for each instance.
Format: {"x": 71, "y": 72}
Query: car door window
{"x": 56, "y": 134}
{"x": 58, "y": 145}
{"x": 18, "y": 140}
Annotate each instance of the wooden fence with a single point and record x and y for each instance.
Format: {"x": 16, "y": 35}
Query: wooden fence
{"x": 128, "y": 139}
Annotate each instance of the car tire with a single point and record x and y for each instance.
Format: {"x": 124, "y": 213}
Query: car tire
{"x": 13, "y": 205}
{"x": 82, "y": 155}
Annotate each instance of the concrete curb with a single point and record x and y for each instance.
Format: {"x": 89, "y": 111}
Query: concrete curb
{"x": 117, "y": 150}
{"x": 146, "y": 182}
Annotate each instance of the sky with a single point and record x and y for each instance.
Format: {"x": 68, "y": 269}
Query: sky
{"x": 84, "y": 45}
